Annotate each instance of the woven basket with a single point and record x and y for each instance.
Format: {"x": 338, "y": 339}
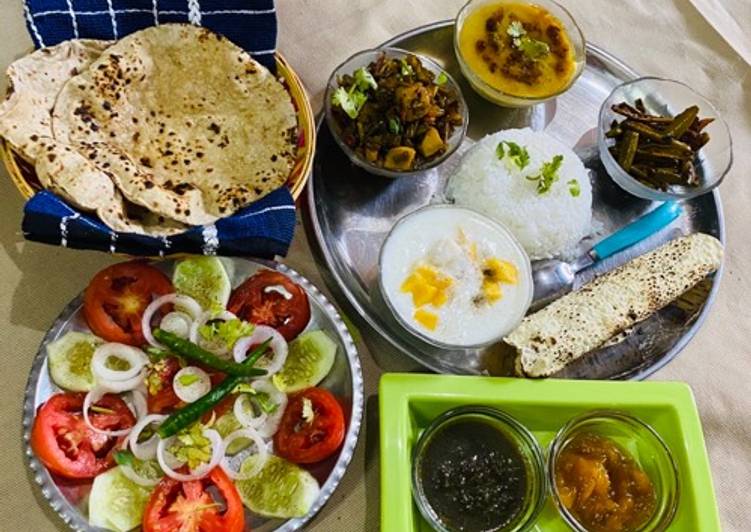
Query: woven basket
{"x": 23, "y": 176}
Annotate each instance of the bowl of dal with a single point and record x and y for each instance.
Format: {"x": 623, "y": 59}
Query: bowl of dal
{"x": 516, "y": 53}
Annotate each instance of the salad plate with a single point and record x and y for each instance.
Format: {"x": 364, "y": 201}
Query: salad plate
{"x": 343, "y": 381}
{"x": 350, "y": 213}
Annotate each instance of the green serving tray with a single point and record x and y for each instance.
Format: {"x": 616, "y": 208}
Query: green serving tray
{"x": 408, "y": 402}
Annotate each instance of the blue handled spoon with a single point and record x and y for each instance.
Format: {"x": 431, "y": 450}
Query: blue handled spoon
{"x": 556, "y": 277}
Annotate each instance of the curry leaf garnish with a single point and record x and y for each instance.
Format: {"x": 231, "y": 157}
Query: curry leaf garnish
{"x": 395, "y": 126}
{"x": 351, "y": 101}
{"x": 517, "y": 154}
{"x": 364, "y": 79}
{"x": 548, "y": 174}
{"x": 574, "y": 188}
{"x": 530, "y": 47}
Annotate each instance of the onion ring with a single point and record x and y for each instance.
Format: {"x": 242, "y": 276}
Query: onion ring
{"x": 137, "y": 402}
{"x": 136, "y": 359}
{"x": 262, "y": 452}
{"x": 217, "y": 452}
{"x": 194, "y": 391}
{"x": 131, "y": 474}
{"x": 92, "y": 397}
{"x": 145, "y": 450}
{"x": 124, "y": 386}
{"x": 260, "y": 334}
{"x": 187, "y": 303}
{"x": 203, "y": 319}
{"x": 177, "y": 322}
{"x": 246, "y": 419}
{"x": 270, "y": 426}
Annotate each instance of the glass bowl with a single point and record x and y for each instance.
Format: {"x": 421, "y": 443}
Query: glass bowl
{"x": 523, "y": 264}
{"x": 644, "y": 445}
{"x": 667, "y": 97}
{"x": 505, "y": 99}
{"x": 363, "y": 59}
{"x": 516, "y": 433}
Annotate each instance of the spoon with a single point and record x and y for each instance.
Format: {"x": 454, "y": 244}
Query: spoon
{"x": 556, "y": 277}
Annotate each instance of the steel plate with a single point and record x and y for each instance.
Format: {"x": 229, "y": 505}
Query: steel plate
{"x": 350, "y": 212}
{"x": 70, "y": 500}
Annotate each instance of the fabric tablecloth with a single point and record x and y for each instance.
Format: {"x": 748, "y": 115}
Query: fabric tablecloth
{"x": 665, "y": 37}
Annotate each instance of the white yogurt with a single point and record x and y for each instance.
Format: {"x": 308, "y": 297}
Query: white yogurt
{"x": 442, "y": 237}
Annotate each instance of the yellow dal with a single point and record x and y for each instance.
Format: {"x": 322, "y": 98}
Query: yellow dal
{"x": 556, "y": 68}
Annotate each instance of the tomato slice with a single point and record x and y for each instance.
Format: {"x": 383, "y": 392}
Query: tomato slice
{"x": 303, "y": 441}
{"x": 67, "y": 446}
{"x": 192, "y": 506}
{"x": 259, "y": 301}
{"x": 117, "y": 296}
{"x": 161, "y": 397}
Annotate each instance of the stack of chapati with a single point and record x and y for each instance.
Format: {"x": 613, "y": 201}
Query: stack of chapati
{"x": 169, "y": 127}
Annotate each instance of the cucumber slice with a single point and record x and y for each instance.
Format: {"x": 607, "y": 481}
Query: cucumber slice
{"x": 281, "y": 489}
{"x": 204, "y": 279}
{"x": 69, "y": 360}
{"x": 116, "y": 502}
{"x": 225, "y": 425}
{"x": 309, "y": 360}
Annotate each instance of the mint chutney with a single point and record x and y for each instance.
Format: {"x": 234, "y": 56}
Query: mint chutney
{"x": 473, "y": 476}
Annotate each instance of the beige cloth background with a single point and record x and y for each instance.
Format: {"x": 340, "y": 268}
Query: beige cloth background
{"x": 660, "y": 37}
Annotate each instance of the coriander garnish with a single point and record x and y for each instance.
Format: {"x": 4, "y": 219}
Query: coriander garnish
{"x": 517, "y": 154}
{"x": 532, "y": 48}
{"x": 574, "y": 188}
{"x": 548, "y": 174}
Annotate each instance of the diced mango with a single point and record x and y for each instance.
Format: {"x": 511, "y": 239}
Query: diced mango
{"x": 440, "y": 298}
{"x": 426, "y": 319}
{"x": 423, "y": 294}
{"x": 427, "y": 286}
{"x": 500, "y": 271}
{"x": 492, "y": 291}
{"x": 431, "y": 142}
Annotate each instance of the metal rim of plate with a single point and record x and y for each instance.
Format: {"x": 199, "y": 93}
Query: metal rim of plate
{"x": 72, "y": 516}
{"x": 335, "y": 277}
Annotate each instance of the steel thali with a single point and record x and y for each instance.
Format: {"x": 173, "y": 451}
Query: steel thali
{"x": 350, "y": 213}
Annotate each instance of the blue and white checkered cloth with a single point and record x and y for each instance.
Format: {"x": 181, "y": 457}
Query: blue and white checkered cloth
{"x": 263, "y": 229}
{"x": 251, "y": 24}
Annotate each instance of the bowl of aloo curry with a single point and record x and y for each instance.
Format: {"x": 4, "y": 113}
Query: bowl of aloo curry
{"x": 516, "y": 53}
{"x": 395, "y": 113}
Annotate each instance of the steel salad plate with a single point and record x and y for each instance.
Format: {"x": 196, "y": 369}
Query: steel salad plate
{"x": 408, "y": 403}
{"x": 350, "y": 213}
{"x": 344, "y": 380}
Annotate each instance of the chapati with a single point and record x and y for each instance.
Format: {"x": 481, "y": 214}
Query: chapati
{"x": 204, "y": 129}
{"x": 67, "y": 172}
{"x": 34, "y": 82}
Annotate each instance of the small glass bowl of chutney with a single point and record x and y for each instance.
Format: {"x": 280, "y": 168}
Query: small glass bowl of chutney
{"x": 478, "y": 469}
{"x": 517, "y": 53}
{"x": 611, "y": 472}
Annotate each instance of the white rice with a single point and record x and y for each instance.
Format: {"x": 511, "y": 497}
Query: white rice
{"x": 547, "y": 225}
